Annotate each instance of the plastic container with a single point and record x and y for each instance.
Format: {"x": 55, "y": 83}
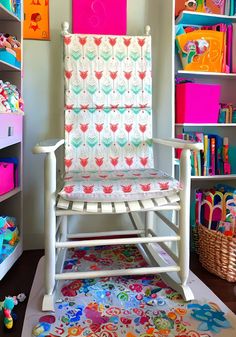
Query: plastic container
{"x": 197, "y": 103}
{"x": 7, "y": 4}
{"x": 9, "y": 58}
{"x": 9, "y": 234}
{"x": 6, "y": 177}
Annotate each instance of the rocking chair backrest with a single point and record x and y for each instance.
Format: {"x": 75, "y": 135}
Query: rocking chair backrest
{"x": 108, "y": 114}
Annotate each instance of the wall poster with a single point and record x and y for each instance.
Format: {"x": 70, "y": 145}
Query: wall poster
{"x": 36, "y": 19}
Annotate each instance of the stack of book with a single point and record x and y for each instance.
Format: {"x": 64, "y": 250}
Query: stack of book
{"x": 213, "y": 159}
{"x": 227, "y": 113}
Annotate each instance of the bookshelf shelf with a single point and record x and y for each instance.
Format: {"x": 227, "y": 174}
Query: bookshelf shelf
{"x": 191, "y": 74}
{"x": 195, "y": 18}
{"x": 219, "y": 177}
{"x": 10, "y": 194}
{"x": 4, "y": 66}
{"x": 11, "y": 259}
{"x": 206, "y": 124}
{"x": 5, "y": 142}
{"x": 6, "y": 15}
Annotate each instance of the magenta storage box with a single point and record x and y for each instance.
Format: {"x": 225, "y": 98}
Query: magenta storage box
{"x": 197, "y": 103}
{"x": 6, "y": 177}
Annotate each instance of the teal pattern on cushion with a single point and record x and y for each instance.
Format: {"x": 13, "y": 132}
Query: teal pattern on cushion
{"x": 108, "y": 102}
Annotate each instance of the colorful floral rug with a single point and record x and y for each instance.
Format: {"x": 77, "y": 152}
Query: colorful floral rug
{"x": 126, "y": 306}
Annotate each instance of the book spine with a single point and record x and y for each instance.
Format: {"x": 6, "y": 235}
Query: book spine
{"x": 231, "y": 7}
{"x": 234, "y": 47}
{"x": 230, "y": 113}
{"x": 213, "y": 154}
{"x": 205, "y": 154}
{"x": 199, "y": 164}
{"x": 195, "y": 163}
{"x": 227, "y": 166}
{"x": 209, "y": 157}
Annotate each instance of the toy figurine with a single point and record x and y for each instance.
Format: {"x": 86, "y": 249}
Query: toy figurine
{"x": 7, "y": 306}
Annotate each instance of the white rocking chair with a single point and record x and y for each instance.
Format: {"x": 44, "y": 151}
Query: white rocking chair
{"x": 109, "y": 162}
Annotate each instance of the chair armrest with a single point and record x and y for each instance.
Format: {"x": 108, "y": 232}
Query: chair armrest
{"x": 47, "y": 146}
{"x": 179, "y": 143}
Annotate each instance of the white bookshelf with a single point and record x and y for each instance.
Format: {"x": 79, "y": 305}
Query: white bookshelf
{"x": 226, "y": 80}
{"x": 12, "y": 146}
{"x": 228, "y": 89}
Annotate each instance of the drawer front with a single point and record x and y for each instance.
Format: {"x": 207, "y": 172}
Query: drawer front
{"x": 11, "y": 126}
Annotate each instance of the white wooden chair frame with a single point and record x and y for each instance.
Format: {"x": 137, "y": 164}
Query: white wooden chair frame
{"x": 143, "y": 235}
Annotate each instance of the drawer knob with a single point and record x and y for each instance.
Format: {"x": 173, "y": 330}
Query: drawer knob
{"x": 10, "y": 131}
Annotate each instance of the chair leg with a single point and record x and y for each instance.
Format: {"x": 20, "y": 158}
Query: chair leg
{"x": 184, "y": 254}
{"x": 184, "y": 225}
{"x": 50, "y": 261}
{"x": 49, "y": 231}
{"x": 183, "y": 249}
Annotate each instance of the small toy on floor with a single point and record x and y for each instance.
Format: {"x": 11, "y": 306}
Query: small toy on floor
{"x": 7, "y": 306}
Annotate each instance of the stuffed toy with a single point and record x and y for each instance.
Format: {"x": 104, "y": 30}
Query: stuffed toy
{"x": 7, "y": 306}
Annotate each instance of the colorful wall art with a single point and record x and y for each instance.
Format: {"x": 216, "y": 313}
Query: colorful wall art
{"x": 36, "y": 23}
{"x": 99, "y": 17}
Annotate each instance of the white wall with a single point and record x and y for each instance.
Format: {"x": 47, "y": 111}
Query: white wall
{"x": 43, "y": 94}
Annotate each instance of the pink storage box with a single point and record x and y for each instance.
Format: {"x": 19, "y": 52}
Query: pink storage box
{"x": 6, "y": 177}
{"x": 197, "y": 103}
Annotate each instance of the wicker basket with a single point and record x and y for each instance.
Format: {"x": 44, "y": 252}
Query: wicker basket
{"x": 217, "y": 253}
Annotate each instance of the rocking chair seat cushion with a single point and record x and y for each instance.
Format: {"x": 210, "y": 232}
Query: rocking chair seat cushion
{"x": 120, "y": 185}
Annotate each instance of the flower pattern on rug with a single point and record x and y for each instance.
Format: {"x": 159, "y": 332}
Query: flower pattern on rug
{"x": 124, "y": 306}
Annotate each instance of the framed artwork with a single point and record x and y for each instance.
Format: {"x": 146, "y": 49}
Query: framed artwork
{"x": 99, "y": 17}
{"x": 36, "y": 19}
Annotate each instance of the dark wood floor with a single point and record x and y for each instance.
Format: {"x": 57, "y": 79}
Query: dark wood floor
{"x": 19, "y": 279}
{"x": 225, "y": 290}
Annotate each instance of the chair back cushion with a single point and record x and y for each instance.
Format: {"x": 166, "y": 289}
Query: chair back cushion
{"x": 108, "y": 102}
